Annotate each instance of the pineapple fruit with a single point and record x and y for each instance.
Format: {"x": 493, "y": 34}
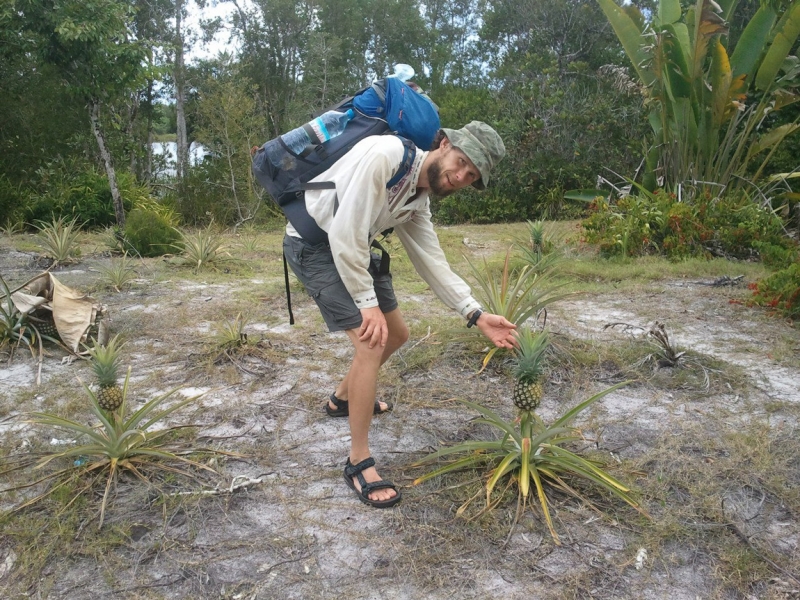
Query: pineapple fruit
{"x": 105, "y": 363}
{"x": 528, "y": 371}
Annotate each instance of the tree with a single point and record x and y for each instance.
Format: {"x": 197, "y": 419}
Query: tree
{"x": 228, "y": 125}
{"x": 92, "y": 45}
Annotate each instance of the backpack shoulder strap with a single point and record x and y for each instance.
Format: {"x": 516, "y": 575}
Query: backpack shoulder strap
{"x": 409, "y": 154}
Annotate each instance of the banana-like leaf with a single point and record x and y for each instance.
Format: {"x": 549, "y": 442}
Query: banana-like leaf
{"x": 727, "y": 7}
{"x": 630, "y": 37}
{"x": 677, "y": 51}
{"x": 709, "y": 25}
{"x": 721, "y": 78}
{"x": 772, "y": 138}
{"x": 786, "y": 32}
{"x": 751, "y": 43}
{"x": 668, "y": 12}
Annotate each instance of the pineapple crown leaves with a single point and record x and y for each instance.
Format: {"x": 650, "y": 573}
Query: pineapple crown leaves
{"x": 106, "y": 360}
{"x": 530, "y": 354}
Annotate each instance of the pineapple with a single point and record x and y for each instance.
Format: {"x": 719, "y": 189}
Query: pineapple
{"x": 105, "y": 362}
{"x": 528, "y": 371}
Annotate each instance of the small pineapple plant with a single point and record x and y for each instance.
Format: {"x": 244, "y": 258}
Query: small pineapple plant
{"x": 528, "y": 371}
{"x": 105, "y": 363}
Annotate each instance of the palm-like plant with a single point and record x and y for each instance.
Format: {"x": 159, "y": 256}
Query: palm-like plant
{"x": 530, "y": 452}
{"x": 203, "y": 248}
{"x": 119, "y": 273}
{"x": 707, "y": 104}
{"x": 59, "y": 239}
{"x": 118, "y": 443}
{"x": 516, "y": 295}
{"x": 537, "y": 247}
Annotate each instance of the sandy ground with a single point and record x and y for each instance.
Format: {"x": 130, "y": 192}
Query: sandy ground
{"x": 301, "y": 533}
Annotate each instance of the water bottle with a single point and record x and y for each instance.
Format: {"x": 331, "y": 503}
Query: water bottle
{"x": 318, "y": 131}
{"x": 403, "y": 72}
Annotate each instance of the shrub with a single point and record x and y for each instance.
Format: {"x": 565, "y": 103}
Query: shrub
{"x": 12, "y": 197}
{"x": 150, "y": 233}
{"x": 83, "y": 194}
{"x": 780, "y": 291}
{"x": 732, "y": 226}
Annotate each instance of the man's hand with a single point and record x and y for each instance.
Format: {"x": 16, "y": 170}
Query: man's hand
{"x": 373, "y": 327}
{"x": 498, "y": 329}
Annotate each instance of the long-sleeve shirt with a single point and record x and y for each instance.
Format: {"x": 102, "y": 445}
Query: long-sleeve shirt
{"x": 366, "y": 208}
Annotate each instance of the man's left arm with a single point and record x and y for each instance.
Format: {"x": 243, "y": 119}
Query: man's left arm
{"x": 423, "y": 249}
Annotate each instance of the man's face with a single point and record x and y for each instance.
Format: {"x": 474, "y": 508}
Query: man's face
{"x": 451, "y": 171}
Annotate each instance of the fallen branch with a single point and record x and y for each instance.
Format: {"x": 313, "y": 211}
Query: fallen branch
{"x": 722, "y": 281}
{"x": 234, "y": 487}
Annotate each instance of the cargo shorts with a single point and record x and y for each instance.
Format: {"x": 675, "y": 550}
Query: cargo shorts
{"x": 314, "y": 267}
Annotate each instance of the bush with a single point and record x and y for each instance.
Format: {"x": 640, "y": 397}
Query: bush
{"x": 731, "y": 226}
{"x": 150, "y": 233}
{"x": 780, "y": 291}
{"x": 11, "y": 199}
{"x": 83, "y": 194}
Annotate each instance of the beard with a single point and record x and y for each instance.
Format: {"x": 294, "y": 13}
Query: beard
{"x": 438, "y": 190}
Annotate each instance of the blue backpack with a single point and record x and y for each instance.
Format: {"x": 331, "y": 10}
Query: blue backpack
{"x": 387, "y": 106}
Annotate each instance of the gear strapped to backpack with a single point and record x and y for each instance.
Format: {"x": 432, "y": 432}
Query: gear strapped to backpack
{"x": 387, "y": 106}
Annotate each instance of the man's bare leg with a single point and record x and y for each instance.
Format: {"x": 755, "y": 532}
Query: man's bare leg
{"x": 362, "y": 381}
{"x": 398, "y": 335}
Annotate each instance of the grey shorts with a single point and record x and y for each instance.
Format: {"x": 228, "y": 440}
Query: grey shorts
{"x": 316, "y": 270}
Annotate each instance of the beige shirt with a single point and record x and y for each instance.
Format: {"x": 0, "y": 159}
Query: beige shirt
{"x": 366, "y": 208}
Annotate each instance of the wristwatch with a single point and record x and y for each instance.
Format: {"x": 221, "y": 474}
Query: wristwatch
{"x": 476, "y": 314}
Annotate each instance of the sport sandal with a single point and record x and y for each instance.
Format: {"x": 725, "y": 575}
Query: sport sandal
{"x": 343, "y": 409}
{"x": 351, "y": 471}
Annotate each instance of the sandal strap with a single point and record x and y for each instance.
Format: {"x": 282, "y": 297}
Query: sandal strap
{"x": 376, "y": 485}
{"x": 352, "y": 470}
{"x": 337, "y": 402}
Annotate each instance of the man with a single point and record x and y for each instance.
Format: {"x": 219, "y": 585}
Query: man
{"x": 354, "y": 290}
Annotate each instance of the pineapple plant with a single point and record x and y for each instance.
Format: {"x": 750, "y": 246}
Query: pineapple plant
{"x": 528, "y": 371}
{"x": 105, "y": 363}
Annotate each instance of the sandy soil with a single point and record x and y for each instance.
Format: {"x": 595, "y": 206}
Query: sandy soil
{"x": 301, "y": 533}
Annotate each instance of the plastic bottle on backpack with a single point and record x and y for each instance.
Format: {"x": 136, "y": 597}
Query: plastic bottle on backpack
{"x": 403, "y": 72}
{"x": 318, "y": 131}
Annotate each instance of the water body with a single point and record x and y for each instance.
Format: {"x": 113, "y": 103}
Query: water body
{"x": 165, "y": 157}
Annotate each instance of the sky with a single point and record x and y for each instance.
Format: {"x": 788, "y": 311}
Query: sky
{"x": 200, "y": 50}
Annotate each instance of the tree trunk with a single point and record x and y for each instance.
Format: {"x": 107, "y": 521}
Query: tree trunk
{"x": 94, "y": 115}
{"x": 180, "y": 96}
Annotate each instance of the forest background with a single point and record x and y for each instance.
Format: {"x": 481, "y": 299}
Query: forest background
{"x": 87, "y": 86}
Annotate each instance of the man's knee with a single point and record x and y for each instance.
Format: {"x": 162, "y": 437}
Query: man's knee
{"x": 399, "y": 334}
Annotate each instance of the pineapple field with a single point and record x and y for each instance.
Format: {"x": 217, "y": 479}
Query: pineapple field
{"x": 190, "y": 456}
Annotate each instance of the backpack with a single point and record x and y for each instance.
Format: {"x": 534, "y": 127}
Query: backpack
{"x": 387, "y": 106}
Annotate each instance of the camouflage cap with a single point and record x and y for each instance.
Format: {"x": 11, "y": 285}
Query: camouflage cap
{"x": 481, "y": 144}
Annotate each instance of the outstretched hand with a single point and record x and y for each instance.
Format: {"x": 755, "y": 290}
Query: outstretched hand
{"x": 498, "y": 329}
